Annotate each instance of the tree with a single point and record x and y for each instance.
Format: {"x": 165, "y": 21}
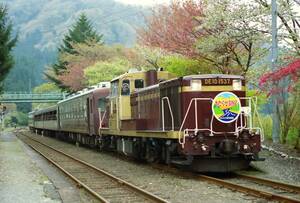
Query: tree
{"x": 44, "y": 88}
{"x": 232, "y": 38}
{"x": 81, "y": 32}
{"x": 289, "y": 40}
{"x": 287, "y": 88}
{"x": 106, "y": 71}
{"x": 7, "y": 42}
{"x": 289, "y": 30}
{"x": 181, "y": 66}
{"x": 224, "y": 34}
{"x": 87, "y": 54}
{"x": 172, "y": 27}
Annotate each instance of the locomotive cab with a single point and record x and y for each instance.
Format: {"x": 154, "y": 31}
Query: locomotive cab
{"x": 122, "y": 88}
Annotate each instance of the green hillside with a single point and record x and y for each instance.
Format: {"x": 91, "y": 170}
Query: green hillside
{"x": 41, "y": 25}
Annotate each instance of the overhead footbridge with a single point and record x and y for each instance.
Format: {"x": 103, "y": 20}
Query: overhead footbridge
{"x": 9, "y": 97}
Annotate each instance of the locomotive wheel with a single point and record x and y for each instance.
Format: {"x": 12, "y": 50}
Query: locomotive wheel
{"x": 152, "y": 153}
{"x": 102, "y": 143}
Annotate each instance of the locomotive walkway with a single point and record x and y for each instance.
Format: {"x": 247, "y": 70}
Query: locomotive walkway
{"x": 8, "y": 97}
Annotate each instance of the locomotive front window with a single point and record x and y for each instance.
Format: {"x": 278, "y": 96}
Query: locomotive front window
{"x": 196, "y": 84}
{"x": 237, "y": 84}
{"x": 139, "y": 83}
{"x": 125, "y": 90}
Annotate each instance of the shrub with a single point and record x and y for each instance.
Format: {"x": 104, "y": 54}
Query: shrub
{"x": 266, "y": 122}
{"x": 292, "y": 137}
{"x": 18, "y": 118}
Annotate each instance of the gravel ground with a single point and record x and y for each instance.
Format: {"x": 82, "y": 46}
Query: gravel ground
{"x": 282, "y": 148}
{"x": 166, "y": 185}
{"x": 278, "y": 168}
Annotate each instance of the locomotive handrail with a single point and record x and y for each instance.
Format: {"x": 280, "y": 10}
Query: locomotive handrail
{"x": 254, "y": 98}
{"x": 163, "y": 112}
{"x": 238, "y": 129}
{"x": 101, "y": 118}
{"x": 186, "y": 114}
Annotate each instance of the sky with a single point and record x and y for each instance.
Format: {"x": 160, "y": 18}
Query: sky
{"x": 144, "y": 2}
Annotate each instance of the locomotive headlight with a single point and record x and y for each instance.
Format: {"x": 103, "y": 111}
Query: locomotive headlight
{"x": 237, "y": 84}
{"x": 196, "y": 84}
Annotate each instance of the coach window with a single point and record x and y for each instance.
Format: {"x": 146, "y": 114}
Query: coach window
{"x": 138, "y": 83}
{"x": 125, "y": 87}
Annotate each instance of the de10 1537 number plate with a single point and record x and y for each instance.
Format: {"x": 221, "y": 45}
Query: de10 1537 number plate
{"x": 217, "y": 81}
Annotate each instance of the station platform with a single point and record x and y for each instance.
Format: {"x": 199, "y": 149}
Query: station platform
{"x": 26, "y": 177}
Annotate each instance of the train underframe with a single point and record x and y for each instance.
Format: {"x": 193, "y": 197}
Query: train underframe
{"x": 216, "y": 154}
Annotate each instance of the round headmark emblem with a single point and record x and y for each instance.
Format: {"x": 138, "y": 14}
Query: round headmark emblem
{"x": 226, "y": 107}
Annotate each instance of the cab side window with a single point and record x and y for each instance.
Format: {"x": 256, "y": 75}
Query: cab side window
{"x": 138, "y": 83}
{"x": 114, "y": 89}
{"x": 125, "y": 90}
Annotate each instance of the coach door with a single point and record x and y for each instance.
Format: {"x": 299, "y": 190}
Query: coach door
{"x": 91, "y": 117}
{"x": 88, "y": 114}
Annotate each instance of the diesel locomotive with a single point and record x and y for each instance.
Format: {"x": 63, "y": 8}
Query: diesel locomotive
{"x": 204, "y": 122}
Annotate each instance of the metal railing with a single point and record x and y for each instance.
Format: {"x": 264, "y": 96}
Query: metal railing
{"x": 163, "y": 112}
{"x": 101, "y": 119}
{"x": 246, "y": 113}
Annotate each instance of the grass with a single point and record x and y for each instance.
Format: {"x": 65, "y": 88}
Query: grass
{"x": 291, "y": 139}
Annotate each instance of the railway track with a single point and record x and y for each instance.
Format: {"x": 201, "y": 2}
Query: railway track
{"x": 102, "y": 185}
{"x": 250, "y": 185}
{"x": 258, "y": 187}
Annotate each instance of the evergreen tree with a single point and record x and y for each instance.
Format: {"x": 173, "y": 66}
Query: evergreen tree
{"x": 6, "y": 45}
{"x": 81, "y": 32}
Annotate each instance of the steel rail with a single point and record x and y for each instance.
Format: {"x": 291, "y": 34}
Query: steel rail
{"x": 248, "y": 190}
{"x": 233, "y": 186}
{"x": 272, "y": 183}
{"x": 145, "y": 193}
{"x": 79, "y": 183}
{"x": 227, "y": 184}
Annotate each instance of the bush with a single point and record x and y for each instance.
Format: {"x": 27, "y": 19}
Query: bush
{"x": 182, "y": 66}
{"x": 18, "y": 118}
{"x": 292, "y": 137}
{"x": 266, "y": 122}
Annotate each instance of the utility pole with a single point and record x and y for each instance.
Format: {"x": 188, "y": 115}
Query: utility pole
{"x": 275, "y": 117}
